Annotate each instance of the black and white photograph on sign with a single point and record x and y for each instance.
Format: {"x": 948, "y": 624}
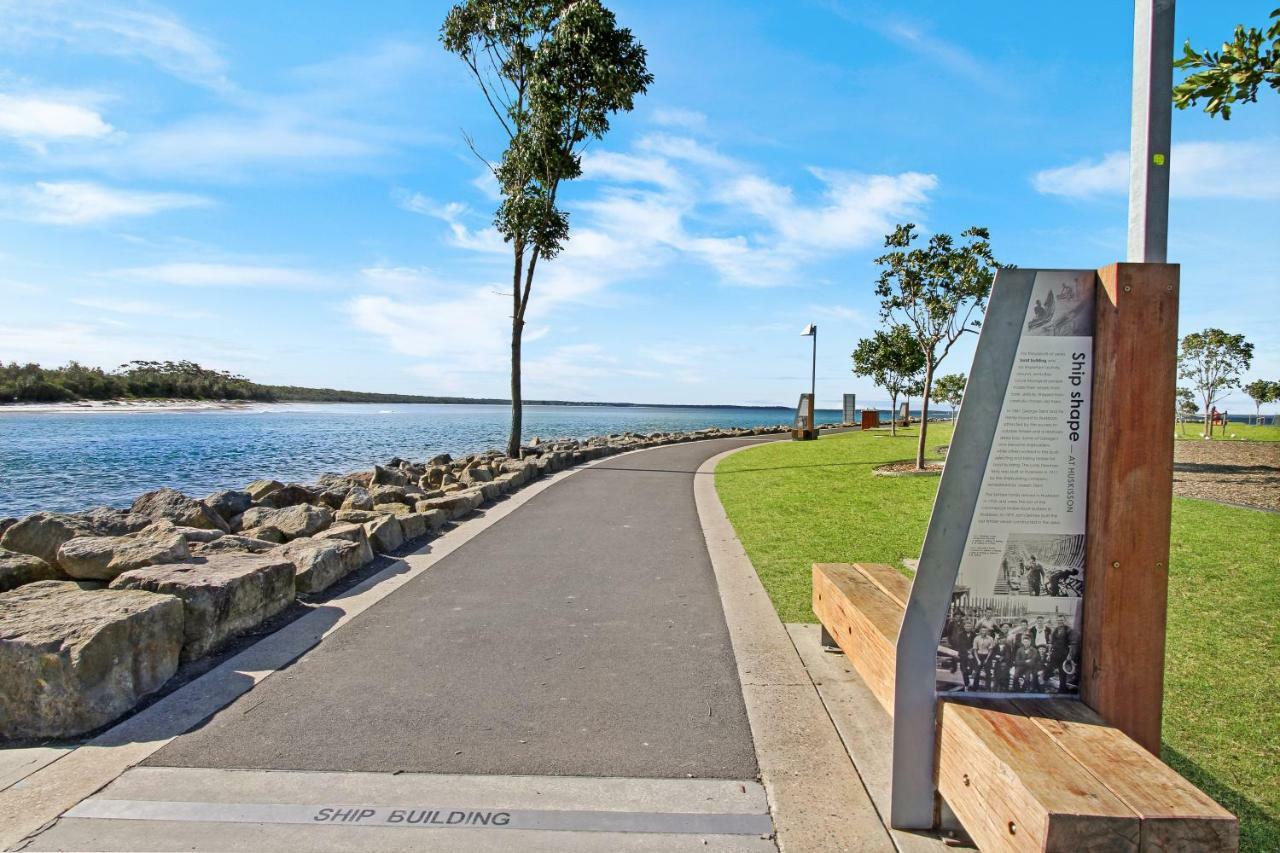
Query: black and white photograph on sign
{"x": 1061, "y": 308}
{"x": 1042, "y": 564}
{"x": 1008, "y": 645}
{"x": 1014, "y": 621}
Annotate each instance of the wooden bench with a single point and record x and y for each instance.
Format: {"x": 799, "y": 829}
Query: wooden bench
{"x": 1024, "y": 774}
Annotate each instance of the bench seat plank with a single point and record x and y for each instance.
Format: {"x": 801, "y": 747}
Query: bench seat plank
{"x": 1024, "y": 774}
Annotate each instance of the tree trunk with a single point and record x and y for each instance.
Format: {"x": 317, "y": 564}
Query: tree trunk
{"x": 893, "y": 418}
{"x": 1208, "y": 417}
{"x": 924, "y": 415}
{"x": 517, "y": 328}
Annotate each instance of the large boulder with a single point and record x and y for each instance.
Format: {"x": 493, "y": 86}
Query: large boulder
{"x": 6, "y": 523}
{"x": 290, "y": 495}
{"x": 456, "y": 504}
{"x": 292, "y": 522}
{"x": 229, "y": 503}
{"x": 358, "y": 498}
{"x": 259, "y": 489}
{"x": 101, "y": 558}
{"x": 476, "y": 474}
{"x": 318, "y": 563}
{"x": 43, "y": 533}
{"x": 384, "y": 476}
{"x": 388, "y": 494}
{"x": 173, "y": 505}
{"x": 385, "y": 533}
{"x": 233, "y": 543}
{"x": 72, "y": 659}
{"x": 106, "y": 521}
{"x": 222, "y": 594}
{"x": 17, "y": 569}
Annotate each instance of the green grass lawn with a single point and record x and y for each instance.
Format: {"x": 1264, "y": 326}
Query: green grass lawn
{"x": 1193, "y": 431}
{"x": 798, "y": 503}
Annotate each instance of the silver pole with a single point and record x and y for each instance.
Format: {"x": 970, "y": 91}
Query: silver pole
{"x": 813, "y": 384}
{"x": 1149, "y": 143}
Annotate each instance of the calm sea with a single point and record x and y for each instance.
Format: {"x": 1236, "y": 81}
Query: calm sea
{"x": 68, "y": 462}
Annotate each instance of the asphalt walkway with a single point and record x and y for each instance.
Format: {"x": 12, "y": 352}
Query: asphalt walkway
{"x": 581, "y": 635}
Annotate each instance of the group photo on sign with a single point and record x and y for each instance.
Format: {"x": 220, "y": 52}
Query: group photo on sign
{"x": 1013, "y": 625}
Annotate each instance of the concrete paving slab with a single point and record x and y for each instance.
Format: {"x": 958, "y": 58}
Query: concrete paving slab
{"x": 17, "y": 764}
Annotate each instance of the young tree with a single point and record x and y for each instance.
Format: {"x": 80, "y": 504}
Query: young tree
{"x": 893, "y": 360}
{"x": 939, "y": 291}
{"x": 1261, "y": 391}
{"x": 1213, "y": 360}
{"x": 949, "y": 389}
{"x": 552, "y": 72}
{"x": 1184, "y": 406}
{"x": 1247, "y": 62}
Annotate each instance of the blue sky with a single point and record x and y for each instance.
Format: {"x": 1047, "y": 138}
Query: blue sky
{"x": 282, "y": 190}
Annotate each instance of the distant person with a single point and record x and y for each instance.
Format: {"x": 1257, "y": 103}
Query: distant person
{"x": 1005, "y": 652}
{"x": 1055, "y": 581}
{"x": 989, "y": 620}
{"x": 1035, "y": 575}
{"x": 1064, "y": 645}
{"x": 1039, "y": 632}
{"x": 984, "y": 646}
{"x": 961, "y": 639}
{"x": 1026, "y": 666}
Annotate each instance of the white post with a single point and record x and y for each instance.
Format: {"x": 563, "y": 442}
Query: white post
{"x": 1149, "y": 143}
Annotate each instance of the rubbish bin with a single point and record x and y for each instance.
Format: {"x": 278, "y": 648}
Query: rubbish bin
{"x": 870, "y": 418}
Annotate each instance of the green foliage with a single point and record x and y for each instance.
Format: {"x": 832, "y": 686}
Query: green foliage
{"x": 949, "y": 389}
{"x": 1213, "y": 361}
{"x": 552, "y": 72}
{"x": 894, "y": 361}
{"x": 31, "y": 383}
{"x": 1233, "y": 74}
{"x": 939, "y": 291}
{"x": 1261, "y": 391}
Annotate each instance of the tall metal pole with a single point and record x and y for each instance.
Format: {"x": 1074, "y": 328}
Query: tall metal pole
{"x": 1149, "y": 143}
{"x": 813, "y": 384}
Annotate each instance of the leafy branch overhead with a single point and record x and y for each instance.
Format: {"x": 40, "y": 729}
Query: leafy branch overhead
{"x": 1233, "y": 74}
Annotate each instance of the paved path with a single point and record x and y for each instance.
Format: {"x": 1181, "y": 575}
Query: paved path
{"x": 580, "y": 636}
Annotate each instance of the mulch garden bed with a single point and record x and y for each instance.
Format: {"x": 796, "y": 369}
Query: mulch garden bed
{"x": 1233, "y": 472}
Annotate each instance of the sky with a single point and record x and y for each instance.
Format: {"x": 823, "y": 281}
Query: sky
{"x": 283, "y": 190}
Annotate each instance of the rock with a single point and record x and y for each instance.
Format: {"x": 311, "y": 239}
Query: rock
{"x": 195, "y": 534}
{"x": 358, "y": 498}
{"x": 388, "y": 494}
{"x": 172, "y": 505}
{"x": 103, "y": 557}
{"x": 105, "y": 521}
{"x": 476, "y": 474}
{"x": 6, "y": 523}
{"x": 413, "y": 525}
{"x": 318, "y": 563}
{"x": 236, "y": 544}
{"x": 17, "y": 569}
{"x": 292, "y": 522}
{"x": 385, "y": 533}
{"x": 393, "y": 509}
{"x": 222, "y": 594}
{"x": 356, "y": 516}
{"x": 348, "y": 532}
{"x": 72, "y": 660}
{"x": 333, "y": 497}
{"x": 265, "y": 533}
{"x": 455, "y": 505}
{"x": 286, "y": 496}
{"x": 43, "y": 533}
{"x": 229, "y": 503}
{"x": 441, "y": 459}
{"x": 259, "y": 489}
{"x": 384, "y": 476}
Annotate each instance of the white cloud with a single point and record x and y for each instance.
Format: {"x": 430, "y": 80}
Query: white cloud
{"x": 34, "y": 119}
{"x": 462, "y": 235}
{"x": 198, "y": 274}
{"x": 107, "y": 28}
{"x": 84, "y": 203}
{"x": 1198, "y": 170}
{"x": 680, "y": 118}
{"x": 140, "y": 308}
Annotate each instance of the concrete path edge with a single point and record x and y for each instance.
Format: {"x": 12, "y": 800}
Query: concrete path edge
{"x": 817, "y": 798}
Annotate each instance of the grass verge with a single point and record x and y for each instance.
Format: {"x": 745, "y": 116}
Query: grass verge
{"x": 1194, "y": 431}
{"x": 798, "y": 503}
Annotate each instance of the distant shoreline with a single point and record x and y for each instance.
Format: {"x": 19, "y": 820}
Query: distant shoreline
{"x": 136, "y": 406}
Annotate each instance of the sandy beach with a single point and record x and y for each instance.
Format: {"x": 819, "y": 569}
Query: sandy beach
{"x": 127, "y": 406}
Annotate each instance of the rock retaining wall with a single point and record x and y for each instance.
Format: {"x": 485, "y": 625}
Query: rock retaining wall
{"x": 97, "y": 607}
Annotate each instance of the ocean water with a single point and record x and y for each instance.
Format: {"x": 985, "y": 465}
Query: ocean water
{"x": 72, "y": 461}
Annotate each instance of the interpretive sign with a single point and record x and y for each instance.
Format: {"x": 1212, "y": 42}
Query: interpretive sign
{"x": 1014, "y": 621}
{"x": 802, "y": 427}
{"x": 850, "y": 415}
{"x": 995, "y": 606}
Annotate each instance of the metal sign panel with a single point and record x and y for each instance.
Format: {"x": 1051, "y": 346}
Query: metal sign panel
{"x": 1006, "y": 539}
{"x": 850, "y": 415}
{"x": 803, "y": 419}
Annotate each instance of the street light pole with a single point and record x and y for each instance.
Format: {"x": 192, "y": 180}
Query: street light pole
{"x": 813, "y": 378}
{"x": 1150, "y": 139}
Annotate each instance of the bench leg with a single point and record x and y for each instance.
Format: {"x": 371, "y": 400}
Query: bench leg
{"x": 828, "y": 641}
